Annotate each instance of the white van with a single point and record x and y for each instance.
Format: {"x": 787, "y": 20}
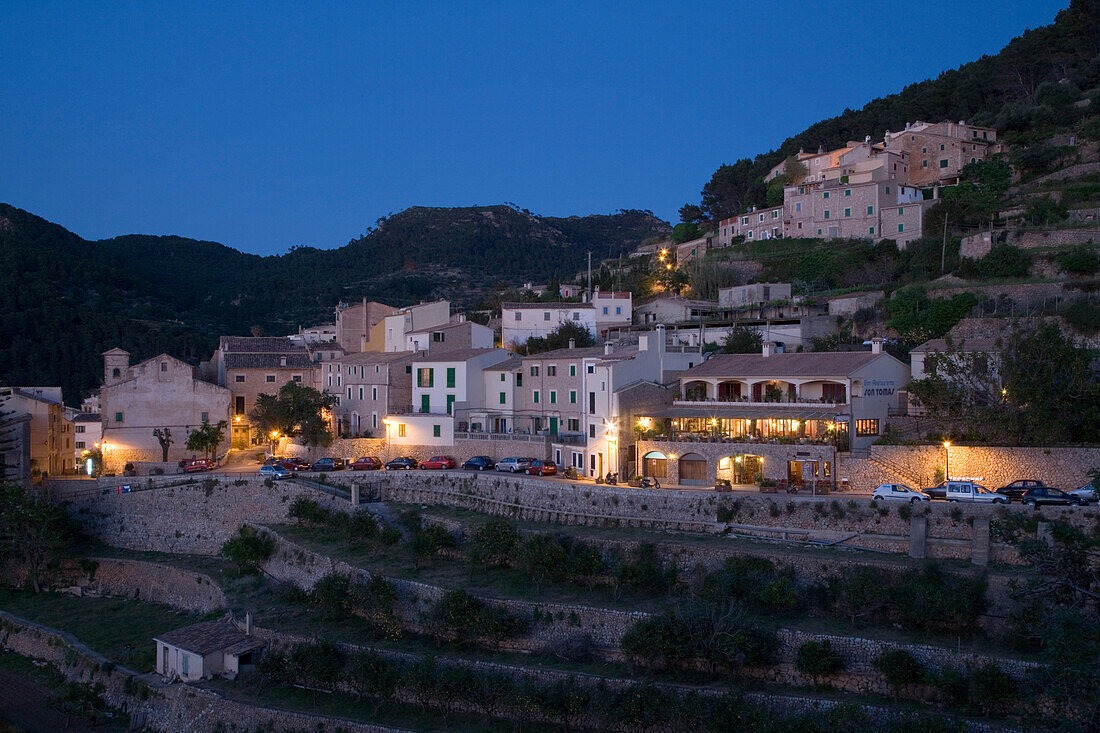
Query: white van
{"x": 972, "y": 492}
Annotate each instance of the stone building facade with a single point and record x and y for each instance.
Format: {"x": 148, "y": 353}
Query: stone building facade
{"x": 159, "y": 393}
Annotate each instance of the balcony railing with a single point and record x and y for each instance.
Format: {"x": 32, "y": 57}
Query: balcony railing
{"x": 745, "y": 402}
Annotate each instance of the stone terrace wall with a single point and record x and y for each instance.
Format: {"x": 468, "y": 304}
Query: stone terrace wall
{"x": 606, "y": 627}
{"x": 463, "y": 448}
{"x": 183, "y": 590}
{"x": 1064, "y": 467}
{"x": 827, "y": 519}
{"x": 187, "y": 519}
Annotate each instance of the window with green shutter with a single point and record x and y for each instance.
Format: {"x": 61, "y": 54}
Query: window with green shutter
{"x": 870, "y": 209}
{"x": 425, "y": 403}
{"x": 847, "y": 212}
{"x": 572, "y": 370}
{"x": 435, "y": 431}
{"x": 450, "y": 404}
{"x": 901, "y": 227}
{"x": 450, "y": 377}
{"x": 536, "y": 397}
{"x": 553, "y": 397}
{"x": 425, "y": 377}
{"x": 572, "y": 396}
{"x": 826, "y": 214}
{"x": 503, "y": 397}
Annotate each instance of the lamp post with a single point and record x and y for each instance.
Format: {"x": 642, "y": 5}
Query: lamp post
{"x": 947, "y": 460}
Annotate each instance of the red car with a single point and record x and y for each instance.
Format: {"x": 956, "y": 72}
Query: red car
{"x": 366, "y": 463}
{"x": 194, "y": 465}
{"x": 542, "y": 468}
{"x": 439, "y": 462}
{"x": 295, "y": 464}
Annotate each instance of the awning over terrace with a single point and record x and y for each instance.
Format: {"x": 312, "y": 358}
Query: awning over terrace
{"x": 744, "y": 413}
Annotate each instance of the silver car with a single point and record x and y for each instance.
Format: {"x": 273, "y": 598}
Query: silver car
{"x": 514, "y": 464}
{"x": 1087, "y": 493}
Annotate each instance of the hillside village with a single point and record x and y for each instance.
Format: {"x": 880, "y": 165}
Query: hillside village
{"x": 823, "y": 456}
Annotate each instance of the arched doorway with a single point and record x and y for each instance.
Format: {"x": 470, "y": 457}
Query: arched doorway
{"x": 655, "y": 465}
{"x": 741, "y": 469}
{"x": 693, "y": 469}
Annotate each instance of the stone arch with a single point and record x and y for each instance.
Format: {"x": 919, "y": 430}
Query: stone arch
{"x": 655, "y": 464}
{"x": 693, "y": 469}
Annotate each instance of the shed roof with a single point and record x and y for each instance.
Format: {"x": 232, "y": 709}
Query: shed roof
{"x": 210, "y": 636}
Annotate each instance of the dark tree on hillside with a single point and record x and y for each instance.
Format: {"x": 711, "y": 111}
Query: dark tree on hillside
{"x": 743, "y": 340}
{"x": 559, "y": 338}
{"x": 1035, "y": 389}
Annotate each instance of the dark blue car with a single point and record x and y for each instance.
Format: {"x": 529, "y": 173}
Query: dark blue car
{"x": 479, "y": 463}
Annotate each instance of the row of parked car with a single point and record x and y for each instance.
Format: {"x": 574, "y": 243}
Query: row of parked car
{"x": 277, "y": 467}
{"x": 1029, "y": 492}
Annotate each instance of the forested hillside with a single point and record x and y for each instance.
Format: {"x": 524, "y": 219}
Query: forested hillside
{"x": 64, "y": 300}
{"x": 1044, "y": 81}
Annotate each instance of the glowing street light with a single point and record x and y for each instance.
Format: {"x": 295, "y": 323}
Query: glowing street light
{"x": 947, "y": 461}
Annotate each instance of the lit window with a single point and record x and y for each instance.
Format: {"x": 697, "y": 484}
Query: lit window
{"x": 401, "y": 430}
{"x": 866, "y": 427}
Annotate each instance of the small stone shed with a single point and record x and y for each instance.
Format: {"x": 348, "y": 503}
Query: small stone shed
{"x": 206, "y": 649}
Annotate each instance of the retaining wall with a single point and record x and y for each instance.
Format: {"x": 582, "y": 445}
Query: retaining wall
{"x": 558, "y": 623}
{"x": 188, "y": 519}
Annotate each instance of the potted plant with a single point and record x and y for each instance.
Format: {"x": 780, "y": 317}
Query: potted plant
{"x": 128, "y": 470}
{"x": 635, "y": 481}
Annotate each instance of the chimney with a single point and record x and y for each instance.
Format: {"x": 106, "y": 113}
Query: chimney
{"x": 248, "y": 623}
{"x": 867, "y": 140}
{"x": 876, "y": 345}
{"x": 608, "y": 347}
{"x": 572, "y": 343}
{"x": 363, "y": 342}
{"x": 769, "y": 348}
{"x": 282, "y": 361}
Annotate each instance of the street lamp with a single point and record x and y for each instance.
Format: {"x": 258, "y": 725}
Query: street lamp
{"x": 947, "y": 461}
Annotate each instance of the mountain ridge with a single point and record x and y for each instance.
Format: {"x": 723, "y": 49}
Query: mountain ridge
{"x": 154, "y": 293}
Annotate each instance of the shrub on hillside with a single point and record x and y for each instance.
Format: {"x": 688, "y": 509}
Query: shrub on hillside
{"x": 460, "y": 617}
{"x": 494, "y": 543}
{"x": 249, "y": 549}
{"x": 818, "y": 660}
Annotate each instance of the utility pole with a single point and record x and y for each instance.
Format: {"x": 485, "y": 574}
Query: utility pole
{"x": 943, "y": 251}
{"x": 589, "y": 276}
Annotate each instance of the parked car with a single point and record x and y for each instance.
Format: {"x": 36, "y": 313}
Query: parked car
{"x": 194, "y": 465}
{"x": 1047, "y": 496}
{"x": 939, "y": 491}
{"x": 1016, "y": 490}
{"x": 898, "y": 492}
{"x": 1087, "y": 493}
{"x": 968, "y": 491}
{"x": 295, "y": 464}
{"x": 272, "y": 460}
{"x": 404, "y": 462}
{"x": 366, "y": 463}
{"x": 439, "y": 462}
{"x": 514, "y": 464}
{"x": 542, "y": 468}
{"x": 274, "y": 471}
{"x": 329, "y": 464}
{"x": 479, "y": 463}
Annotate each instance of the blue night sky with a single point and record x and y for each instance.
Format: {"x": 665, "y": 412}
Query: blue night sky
{"x": 266, "y": 125}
